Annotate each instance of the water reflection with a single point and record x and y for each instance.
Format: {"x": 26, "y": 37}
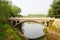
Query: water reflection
{"x": 32, "y": 30}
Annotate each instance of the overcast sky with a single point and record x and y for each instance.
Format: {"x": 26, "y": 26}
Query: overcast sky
{"x": 33, "y": 6}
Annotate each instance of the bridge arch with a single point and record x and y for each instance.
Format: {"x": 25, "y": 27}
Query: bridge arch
{"x": 31, "y": 21}
{"x": 22, "y": 23}
{"x": 17, "y": 22}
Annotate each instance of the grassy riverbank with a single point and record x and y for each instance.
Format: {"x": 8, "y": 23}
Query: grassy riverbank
{"x": 52, "y": 33}
{"x": 8, "y": 33}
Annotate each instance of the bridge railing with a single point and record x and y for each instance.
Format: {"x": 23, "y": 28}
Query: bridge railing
{"x": 32, "y": 18}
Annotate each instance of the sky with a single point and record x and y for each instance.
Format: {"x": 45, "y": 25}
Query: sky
{"x": 33, "y": 6}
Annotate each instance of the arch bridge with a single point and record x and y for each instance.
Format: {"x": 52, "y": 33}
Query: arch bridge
{"x": 43, "y": 21}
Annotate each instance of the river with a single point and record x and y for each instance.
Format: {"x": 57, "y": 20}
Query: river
{"x": 32, "y": 30}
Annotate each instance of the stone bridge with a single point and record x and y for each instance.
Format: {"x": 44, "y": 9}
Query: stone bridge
{"x": 43, "y": 21}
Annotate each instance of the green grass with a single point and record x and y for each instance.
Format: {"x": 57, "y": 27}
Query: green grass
{"x": 52, "y": 28}
{"x": 45, "y": 30}
{"x": 6, "y": 30}
{"x": 57, "y": 30}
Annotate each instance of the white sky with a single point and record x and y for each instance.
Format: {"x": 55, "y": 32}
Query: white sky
{"x": 33, "y": 6}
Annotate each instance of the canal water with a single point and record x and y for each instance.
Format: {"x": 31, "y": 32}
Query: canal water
{"x": 33, "y": 30}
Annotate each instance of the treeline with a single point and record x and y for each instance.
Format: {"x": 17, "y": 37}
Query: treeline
{"x": 37, "y": 15}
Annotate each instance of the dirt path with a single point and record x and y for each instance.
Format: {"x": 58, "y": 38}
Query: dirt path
{"x": 52, "y": 35}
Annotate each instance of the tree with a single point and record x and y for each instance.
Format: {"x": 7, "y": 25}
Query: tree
{"x": 15, "y": 10}
{"x": 54, "y": 11}
{"x": 7, "y": 10}
{"x": 6, "y": 31}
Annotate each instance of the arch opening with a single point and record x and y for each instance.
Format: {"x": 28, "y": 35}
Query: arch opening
{"x": 33, "y": 27}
